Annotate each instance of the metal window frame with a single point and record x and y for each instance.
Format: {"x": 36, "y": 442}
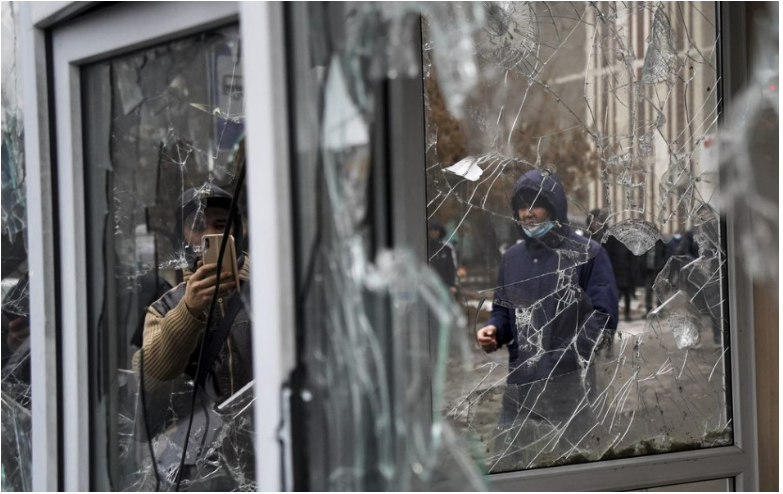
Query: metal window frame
{"x": 42, "y": 232}
{"x": 99, "y": 35}
{"x": 271, "y": 236}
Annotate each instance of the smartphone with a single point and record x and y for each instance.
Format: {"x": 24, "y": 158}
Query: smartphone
{"x": 210, "y": 248}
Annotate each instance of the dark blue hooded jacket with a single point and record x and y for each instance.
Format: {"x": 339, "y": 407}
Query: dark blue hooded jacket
{"x": 556, "y": 295}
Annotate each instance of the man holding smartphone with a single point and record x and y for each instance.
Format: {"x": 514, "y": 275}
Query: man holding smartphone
{"x": 173, "y": 325}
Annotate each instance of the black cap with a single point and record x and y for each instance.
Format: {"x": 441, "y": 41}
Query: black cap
{"x": 200, "y": 198}
{"x": 435, "y": 225}
{"x": 530, "y": 198}
{"x": 207, "y": 196}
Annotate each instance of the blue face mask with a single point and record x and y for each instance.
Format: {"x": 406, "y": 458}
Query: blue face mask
{"x": 540, "y": 230}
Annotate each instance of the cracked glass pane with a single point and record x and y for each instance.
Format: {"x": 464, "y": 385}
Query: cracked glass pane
{"x": 171, "y": 354}
{"x": 16, "y": 389}
{"x": 370, "y": 372}
{"x": 573, "y": 214}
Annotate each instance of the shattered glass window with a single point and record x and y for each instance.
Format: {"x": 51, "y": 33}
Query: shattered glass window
{"x": 170, "y": 343}
{"x": 572, "y": 212}
{"x": 574, "y": 305}
{"x": 16, "y": 390}
{"x": 369, "y": 372}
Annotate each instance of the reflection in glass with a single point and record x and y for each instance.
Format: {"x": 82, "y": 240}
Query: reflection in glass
{"x": 163, "y": 131}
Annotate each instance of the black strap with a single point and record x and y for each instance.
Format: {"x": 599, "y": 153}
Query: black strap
{"x": 217, "y": 338}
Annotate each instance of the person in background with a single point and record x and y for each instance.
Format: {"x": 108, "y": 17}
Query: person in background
{"x": 555, "y": 305}
{"x": 624, "y": 264}
{"x": 442, "y": 256}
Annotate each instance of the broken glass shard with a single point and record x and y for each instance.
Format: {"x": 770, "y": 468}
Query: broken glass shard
{"x": 468, "y": 168}
{"x": 638, "y": 235}
{"x": 661, "y": 60}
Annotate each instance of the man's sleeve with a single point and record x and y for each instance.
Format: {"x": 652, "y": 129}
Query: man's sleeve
{"x": 598, "y": 308}
{"x": 168, "y": 343}
{"x": 599, "y": 284}
{"x": 500, "y": 317}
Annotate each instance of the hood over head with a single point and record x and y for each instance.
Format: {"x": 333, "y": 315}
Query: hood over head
{"x": 537, "y": 188}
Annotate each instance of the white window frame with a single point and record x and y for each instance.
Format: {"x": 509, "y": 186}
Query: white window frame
{"x": 96, "y": 36}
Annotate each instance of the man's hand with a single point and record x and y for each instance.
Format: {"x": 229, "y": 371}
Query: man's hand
{"x": 486, "y": 338}
{"x": 201, "y": 287}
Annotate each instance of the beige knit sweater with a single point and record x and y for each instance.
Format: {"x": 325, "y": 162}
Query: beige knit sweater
{"x": 169, "y": 340}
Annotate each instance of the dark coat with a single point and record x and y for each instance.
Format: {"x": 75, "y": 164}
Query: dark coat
{"x": 552, "y": 292}
{"x": 625, "y": 265}
{"x": 443, "y": 261}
